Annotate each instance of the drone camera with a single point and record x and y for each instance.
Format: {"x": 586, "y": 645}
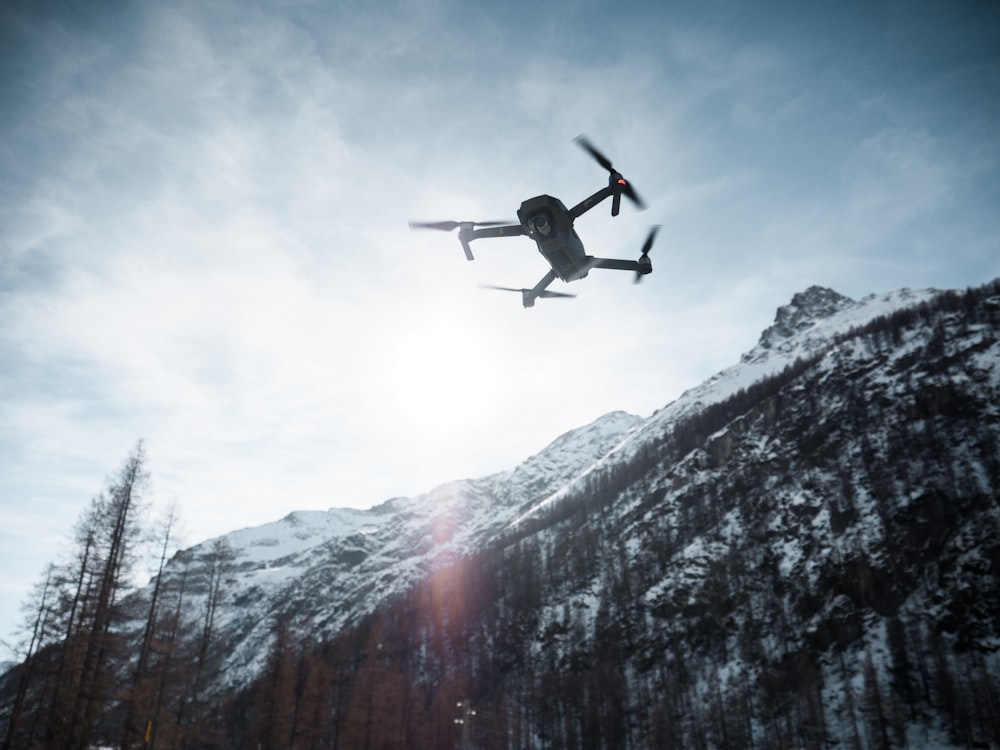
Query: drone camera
{"x": 540, "y": 222}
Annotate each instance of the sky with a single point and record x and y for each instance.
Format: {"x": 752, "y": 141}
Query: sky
{"x": 204, "y": 237}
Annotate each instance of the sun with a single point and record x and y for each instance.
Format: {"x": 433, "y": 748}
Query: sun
{"x": 442, "y": 378}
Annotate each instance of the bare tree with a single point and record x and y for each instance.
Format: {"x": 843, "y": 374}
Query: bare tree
{"x": 115, "y": 516}
{"x": 217, "y": 565}
{"x": 35, "y": 645}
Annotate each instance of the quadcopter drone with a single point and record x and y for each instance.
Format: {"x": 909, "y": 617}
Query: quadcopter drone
{"x": 549, "y": 223}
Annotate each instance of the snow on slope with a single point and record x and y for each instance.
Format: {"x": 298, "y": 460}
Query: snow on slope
{"x": 295, "y": 533}
{"x": 801, "y": 329}
{"x": 562, "y": 460}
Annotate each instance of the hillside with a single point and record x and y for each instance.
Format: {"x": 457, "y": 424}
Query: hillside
{"x": 800, "y": 552}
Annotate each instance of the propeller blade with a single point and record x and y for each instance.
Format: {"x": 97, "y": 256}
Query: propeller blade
{"x": 646, "y": 266}
{"x": 444, "y": 226}
{"x": 649, "y": 240}
{"x": 616, "y": 182}
{"x": 553, "y": 295}
{"x": 500, "y": 288}
{"x": 598, "y": 156}
{"x": 633, "y": 196}
{"x": 447, "y": 226}
{"x": 544, "y": 293}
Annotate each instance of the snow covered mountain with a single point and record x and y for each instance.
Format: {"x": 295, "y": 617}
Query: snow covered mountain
{"x": 803, "y": 551}
{"x": 356, "y": 559}
{"x": 333, "y": 567}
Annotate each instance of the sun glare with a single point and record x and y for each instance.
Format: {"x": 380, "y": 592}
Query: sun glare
{"x": 442, "y": 378}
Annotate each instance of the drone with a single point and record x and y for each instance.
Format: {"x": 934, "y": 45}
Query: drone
{"x": 548, "y": 222}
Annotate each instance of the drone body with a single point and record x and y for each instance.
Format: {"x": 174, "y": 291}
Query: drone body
{"x": 548, "y": 222}
{"x": 550, "y": 225}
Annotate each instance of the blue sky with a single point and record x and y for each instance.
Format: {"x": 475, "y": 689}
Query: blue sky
{"x": 204, "y": 242}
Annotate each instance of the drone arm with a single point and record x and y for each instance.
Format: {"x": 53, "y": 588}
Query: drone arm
{"x": 588, "y": 203}
{"x": 617, "y": 186}
{"x": 467, "y": 234}
{"x": 615, "y": 264}
{"x": 539, "y": 290}
{"x": 640, "y": 267}
{"x": 507, "y": 230}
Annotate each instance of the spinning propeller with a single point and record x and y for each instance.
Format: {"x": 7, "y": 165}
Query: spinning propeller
{"x": 447, "y": 226}
{"x": 464, "y": 227}
{"x": 528, "y": 296}
{"x": 544, "y": 293}
{"x": 645, "y": 265}
{"x": 616, "y": 183}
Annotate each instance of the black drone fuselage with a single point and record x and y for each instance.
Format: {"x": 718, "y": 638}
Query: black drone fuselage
{"x": 548, "y": 222}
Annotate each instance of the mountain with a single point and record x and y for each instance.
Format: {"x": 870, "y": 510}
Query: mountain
{"x": 359, "y": 558}
{"x": 331, "y": 568}
{"x": 803, "y": 551}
